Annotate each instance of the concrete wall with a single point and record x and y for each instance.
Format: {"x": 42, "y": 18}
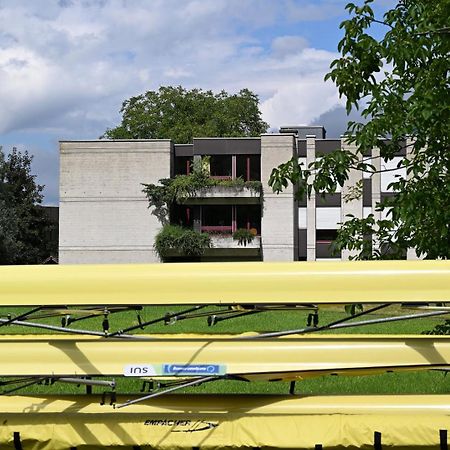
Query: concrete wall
{"x": 103, "y": 213}
{"x": 354, "y": 206}
{"x": 311, "y": 218}
{"x": 279, "y": 224}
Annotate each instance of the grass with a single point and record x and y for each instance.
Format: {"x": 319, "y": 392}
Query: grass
{"x": 430, "y": 382}
{"x": 262, "y": 322}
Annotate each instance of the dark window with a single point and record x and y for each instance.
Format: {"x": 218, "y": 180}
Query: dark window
{"x": 220, "y": 166}
{"x": 302, "y": 245}
{"x": 217, "y": 219}
{"x": 326, "y": 146}
{"x": 248, "y": 167}
{"x": 181, "y": 215}
{"x": 226, "y": 219}
{"x": 249, "y": 217}
{"x": 324, "y": 238}
{"x": 183, "y": 165}
{"x": 328, "y": 200}
{"x": 301, "y": 145}
{"x": 367, "y": 192}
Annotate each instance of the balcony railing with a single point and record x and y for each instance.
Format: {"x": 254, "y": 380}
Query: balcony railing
{"x": 224, "y": 195}
{"x": 221, "y": 177}
{"x": 225, "y": 241}
{"x": 220, "y": 229}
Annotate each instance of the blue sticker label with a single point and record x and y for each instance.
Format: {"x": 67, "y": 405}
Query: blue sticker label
{"x": 193, "y": 369}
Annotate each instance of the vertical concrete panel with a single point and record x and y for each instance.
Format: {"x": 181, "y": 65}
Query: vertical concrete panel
{"x": 311, "y": 204}
{"x": 376, "y": 189}
{"x": 354, "y": 207}
{"x": 104, "y": 215}
{"x": 279, "y": 228}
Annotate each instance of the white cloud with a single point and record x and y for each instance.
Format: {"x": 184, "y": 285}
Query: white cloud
{"x": 283, "y": 46}
{"x": 67, "y": 66}
{"x": 314, "y": 11}
{"x": 177, "y": 73}
{"x": 299, "y": 102}
{"x": 60, "y": 65}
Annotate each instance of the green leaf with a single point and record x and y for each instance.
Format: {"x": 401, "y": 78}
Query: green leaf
{"x": 410, "y": 100}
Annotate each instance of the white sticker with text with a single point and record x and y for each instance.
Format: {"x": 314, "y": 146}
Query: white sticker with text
{"x": 139, "y": 370}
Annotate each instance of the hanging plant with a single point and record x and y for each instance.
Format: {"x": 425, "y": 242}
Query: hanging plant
{"x": 185, "y": 241}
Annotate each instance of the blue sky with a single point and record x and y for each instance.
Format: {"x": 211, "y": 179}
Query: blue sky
{"x": 67, "y": 65}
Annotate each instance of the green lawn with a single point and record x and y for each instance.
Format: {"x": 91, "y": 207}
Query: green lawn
{"x": 262, "y": 322}
{"x": 388, "y": 383}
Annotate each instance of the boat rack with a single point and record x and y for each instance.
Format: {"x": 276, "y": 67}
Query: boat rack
{"x": 74, "y": 308}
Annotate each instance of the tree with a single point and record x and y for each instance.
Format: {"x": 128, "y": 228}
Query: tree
{"x": 401, "y": 80}
{"x": 24, "y": 226}
{"x": 179, "y": 114}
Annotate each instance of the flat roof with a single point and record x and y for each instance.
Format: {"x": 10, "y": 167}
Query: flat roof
{"x": 114, "y": 140}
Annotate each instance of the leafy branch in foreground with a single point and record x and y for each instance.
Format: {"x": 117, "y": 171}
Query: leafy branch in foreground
{"x": 402, "y": 81}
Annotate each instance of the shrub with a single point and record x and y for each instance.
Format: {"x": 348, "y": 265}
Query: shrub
{"x": 183, "y": 240}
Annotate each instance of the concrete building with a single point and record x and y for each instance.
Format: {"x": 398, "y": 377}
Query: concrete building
{"x": 104, "y": 215}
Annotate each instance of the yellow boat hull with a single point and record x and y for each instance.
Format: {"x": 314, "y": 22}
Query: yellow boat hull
{"x": 287, "y": 358}
{"x": 226, "y": 422}
{"x": 227, "y": 283}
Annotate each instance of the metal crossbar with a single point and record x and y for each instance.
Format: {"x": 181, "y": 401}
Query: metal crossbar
{"x": 195, "y": 382}
{"x": 335, "y": 326}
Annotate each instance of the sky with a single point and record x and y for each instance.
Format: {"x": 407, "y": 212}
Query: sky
{"x": 66, "y": 66}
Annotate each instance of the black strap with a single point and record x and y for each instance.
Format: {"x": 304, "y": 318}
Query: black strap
{"x": 377, "y": 441}
{"x": 443, "y": 440}
{"x": 292, "y": 388}
{"x": 17, "y": 443}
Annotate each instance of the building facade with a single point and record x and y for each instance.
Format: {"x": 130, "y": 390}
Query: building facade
{"x": 104, "y": 214}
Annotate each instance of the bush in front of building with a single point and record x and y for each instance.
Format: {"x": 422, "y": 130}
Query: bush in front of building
{"x": 176, "y": 240}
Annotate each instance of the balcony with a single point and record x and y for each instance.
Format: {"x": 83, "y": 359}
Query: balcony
{"x": 225, "y": 245}
{"x": 223, "y": 195}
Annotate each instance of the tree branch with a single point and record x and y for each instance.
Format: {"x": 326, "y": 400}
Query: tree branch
{"x": 372, "y": 172}
{"x": 378, "y": 21}
{"x": 443, "y": 30}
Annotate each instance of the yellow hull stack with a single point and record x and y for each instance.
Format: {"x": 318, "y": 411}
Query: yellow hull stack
{"x": 170, "y": 362}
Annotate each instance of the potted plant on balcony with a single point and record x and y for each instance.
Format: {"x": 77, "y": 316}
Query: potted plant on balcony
{"x": 244, "y": 236}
